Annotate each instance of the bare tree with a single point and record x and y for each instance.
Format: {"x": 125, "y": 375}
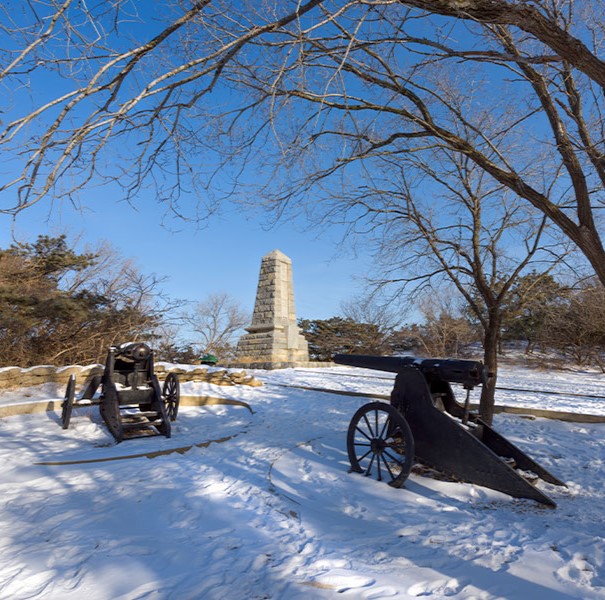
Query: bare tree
{"x": 445, "y": 331}
{"x": 451, "y": 224}
{"x": 135, "y": 307}
{"x": 114, "y": 92}
{"x": 217, "y": 320}
{"x": 316, "y": 91}
{"x": 372, "y": 310}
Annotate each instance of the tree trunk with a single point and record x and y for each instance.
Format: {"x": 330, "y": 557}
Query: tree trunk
{"x": 490, "y": 359}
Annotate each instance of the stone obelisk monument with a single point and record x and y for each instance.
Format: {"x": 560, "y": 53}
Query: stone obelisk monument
{"x": 274, "y": 338}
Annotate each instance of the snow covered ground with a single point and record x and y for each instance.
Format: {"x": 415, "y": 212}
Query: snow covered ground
{"x": 271, "y": 512}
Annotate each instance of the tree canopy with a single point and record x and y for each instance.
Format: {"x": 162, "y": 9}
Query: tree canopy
{"x": 327, "y": 337}
{"x": 55, "y": 307}
{"x": 304, "y": 100}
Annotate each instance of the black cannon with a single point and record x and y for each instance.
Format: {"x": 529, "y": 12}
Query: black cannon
{"x": 131, "y": 401}
{"x": 425, "y": 423}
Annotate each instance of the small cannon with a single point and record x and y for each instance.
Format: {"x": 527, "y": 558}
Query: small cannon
{"x": 424, "y": 422}
{"x": 131, "y": 401}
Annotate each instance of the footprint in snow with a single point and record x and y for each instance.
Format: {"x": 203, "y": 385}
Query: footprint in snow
{"x": 378, "y": 593}
{"x": 342, "y": 581}
{"x": 355, "y": 510}
{"x": 307, "y": 471}
{"x": 437, "y": 587}
{"x": 578, "y": 570}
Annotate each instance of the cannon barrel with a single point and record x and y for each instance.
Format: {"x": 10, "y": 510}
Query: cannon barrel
{"x": 424, "y": 420}
{"x": 469, "y": 373}
{"x": 135, "y": 352}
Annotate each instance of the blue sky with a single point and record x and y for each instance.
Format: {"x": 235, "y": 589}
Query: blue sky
{"x": 224, "y": 256}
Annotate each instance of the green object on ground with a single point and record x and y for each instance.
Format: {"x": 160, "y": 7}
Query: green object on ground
{"x": 208, "y": 359}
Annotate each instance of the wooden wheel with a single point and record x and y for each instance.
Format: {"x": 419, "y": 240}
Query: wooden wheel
{"x": 380, "y": 443}
{"x": 171, "y": 394}
{"x": 68, "y": 402}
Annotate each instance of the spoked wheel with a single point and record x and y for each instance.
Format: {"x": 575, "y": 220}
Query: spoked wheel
{"x": 380, "y": 443}
{"x": 68, "y": 402}
{"x": 171, "y": 394}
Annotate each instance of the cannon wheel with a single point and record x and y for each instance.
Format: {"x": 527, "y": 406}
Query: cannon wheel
{"x": 380, "y": 443}
{"x": 171, "y": 393}
{"x": 68, "y": 401}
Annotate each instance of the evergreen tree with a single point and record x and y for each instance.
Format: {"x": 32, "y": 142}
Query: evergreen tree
{"x": 327, "y": 337}
{"x": 533, "y": 299}
{"x": 50, "y": 312}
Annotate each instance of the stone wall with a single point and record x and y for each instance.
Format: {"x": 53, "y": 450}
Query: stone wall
{"x": 13, "y": 377}
{"x": 216, "y": 377}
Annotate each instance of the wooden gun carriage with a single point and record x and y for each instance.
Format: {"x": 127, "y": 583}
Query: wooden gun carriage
{"x": 131, "y": 401}
{"x": 425, "y": 423}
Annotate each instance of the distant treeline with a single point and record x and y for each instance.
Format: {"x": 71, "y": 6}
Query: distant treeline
{"x": 567, "y": 321}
